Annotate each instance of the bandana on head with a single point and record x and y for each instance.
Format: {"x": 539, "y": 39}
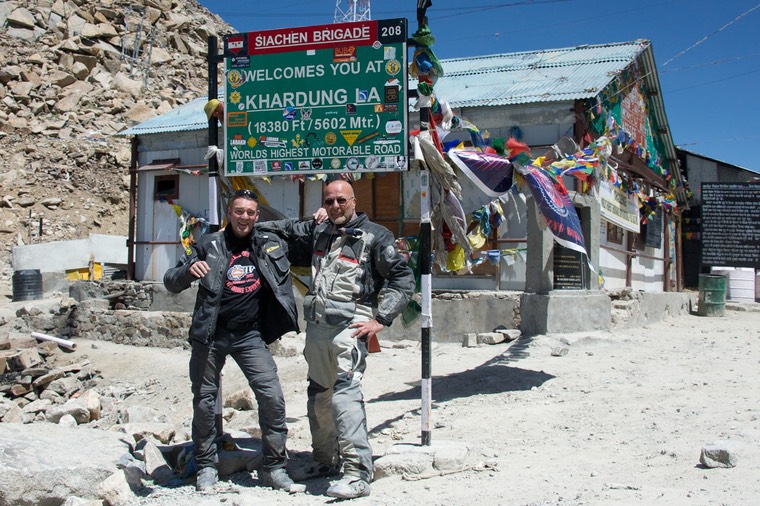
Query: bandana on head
{"x": 210, "y": 107}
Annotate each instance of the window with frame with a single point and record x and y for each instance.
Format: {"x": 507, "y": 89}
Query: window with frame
{"x": 614, "y": 234}
{"x": 166, "y": 187}
{"x": 638, "y": 240}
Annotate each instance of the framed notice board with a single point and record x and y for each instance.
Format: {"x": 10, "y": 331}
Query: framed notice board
{"x": 568, "y": 269}
{"x": 653, "y": 230}
{"x": 731, "y": 224}
{"x": 317, "y": 99}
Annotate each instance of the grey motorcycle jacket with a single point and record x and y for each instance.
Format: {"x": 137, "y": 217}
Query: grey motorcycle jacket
{"x": 355, "y": 269}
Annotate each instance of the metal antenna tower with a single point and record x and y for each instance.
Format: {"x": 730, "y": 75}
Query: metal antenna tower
{"x": 351, "y": 10}
{"x": 139, "y": 59}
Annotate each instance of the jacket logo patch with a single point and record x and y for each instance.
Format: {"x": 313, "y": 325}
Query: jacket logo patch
{"x": 272, "y": 248}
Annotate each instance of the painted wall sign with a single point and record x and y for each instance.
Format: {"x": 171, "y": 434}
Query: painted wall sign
{"x": 633, "y": 111}
{"x": 618, "y": 207}
{"x": 731, "y": 224}
{"x": 326, "y": 98}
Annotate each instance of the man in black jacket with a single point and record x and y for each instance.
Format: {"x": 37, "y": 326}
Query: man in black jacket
{"x": 245, "y": 301}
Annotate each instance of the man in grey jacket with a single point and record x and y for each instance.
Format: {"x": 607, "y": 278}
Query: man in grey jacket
{"x": 360, "y": 284}
{"x": 245, "y": 301}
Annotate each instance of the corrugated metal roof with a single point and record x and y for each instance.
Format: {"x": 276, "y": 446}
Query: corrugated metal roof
{"x": 185, "y": 118}
{"x": 716, "y": 160}
{"x": 534, "y": 76}
{"x": 511, "y": 78}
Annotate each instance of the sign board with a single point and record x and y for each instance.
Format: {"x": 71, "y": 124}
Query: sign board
{"x": 731, "y": 224}
{"x": 619, "y": 207}
{"x": 654, "y": 230}
{"x": 633, "y": 115}
{"x": 568, "y": 269}
{"x": 317, "y": 99}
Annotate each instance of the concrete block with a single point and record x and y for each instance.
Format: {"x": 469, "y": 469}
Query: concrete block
{"x": 509, "y": 334}
{"x": 449, "y": 456}
{"x": 444, "y": 455}
{"x": 400, "y": 464}
{"x": 491, "y": 338}
{"x": 470, "y": 340}
{"x": 24, "y": 359}
{"x": 460, "y": 314}
{"x": 554, "y": 313}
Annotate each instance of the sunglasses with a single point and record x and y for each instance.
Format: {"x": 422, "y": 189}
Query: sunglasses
{"x": 246, "y": 194}
{"x": 340, "y": 200}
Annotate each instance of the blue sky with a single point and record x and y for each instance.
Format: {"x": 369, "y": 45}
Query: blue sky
{"x": 707, "y": 51}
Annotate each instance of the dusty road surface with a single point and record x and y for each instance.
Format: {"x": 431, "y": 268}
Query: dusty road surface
{"x": 620, "y": 418}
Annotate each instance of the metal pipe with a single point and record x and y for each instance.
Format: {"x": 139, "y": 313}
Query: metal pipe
{"x": 132, "y": 209}
{"x": 61, "y": 342}
{"x": 213, "y": 136}
{"x": 213, "y": 175}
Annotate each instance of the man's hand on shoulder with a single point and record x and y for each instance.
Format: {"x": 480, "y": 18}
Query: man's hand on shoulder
{"x": 320, "y": 215}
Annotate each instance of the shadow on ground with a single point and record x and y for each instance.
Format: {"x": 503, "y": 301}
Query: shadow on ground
{"x": 491, "y": 377}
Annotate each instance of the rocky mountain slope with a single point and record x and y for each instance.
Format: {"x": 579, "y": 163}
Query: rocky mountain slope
{"x": 73, "y": 74}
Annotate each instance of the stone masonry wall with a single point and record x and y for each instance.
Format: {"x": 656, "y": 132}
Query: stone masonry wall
{"x": 119, "y": 311}
{"x": 114, "y": 311}
{"x": 134, "y": 327}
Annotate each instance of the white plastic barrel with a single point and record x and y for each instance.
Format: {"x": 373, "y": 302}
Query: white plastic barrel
{"x": 740, "y": 283}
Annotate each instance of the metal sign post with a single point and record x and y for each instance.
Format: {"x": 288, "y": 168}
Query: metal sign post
{"x": 424, "y": 261}
{"x": 213, "y": 137}
{"x": 213, "y": 176}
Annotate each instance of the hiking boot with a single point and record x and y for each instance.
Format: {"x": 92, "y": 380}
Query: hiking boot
{"x": 278, "y": 479}
{"x": 316, "y": 469}
{"x": 206, "y": 478}
{"x": 349, "y": 488}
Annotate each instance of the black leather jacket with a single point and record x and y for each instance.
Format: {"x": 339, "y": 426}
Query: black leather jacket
{"x": 277, "y": 310}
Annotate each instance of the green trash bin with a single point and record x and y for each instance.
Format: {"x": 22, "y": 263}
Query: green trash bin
{"x": 712, "y": 295}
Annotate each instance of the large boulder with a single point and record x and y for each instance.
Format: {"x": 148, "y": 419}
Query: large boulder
{"x": 46, "y": 464}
